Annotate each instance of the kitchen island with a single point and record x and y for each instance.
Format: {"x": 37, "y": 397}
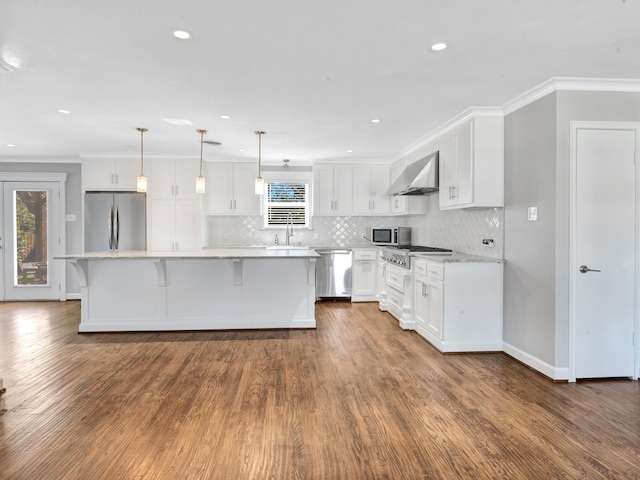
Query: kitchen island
{"x": 218, "y": 289}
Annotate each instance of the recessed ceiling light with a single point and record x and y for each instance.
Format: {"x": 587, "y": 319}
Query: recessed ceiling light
{"x": 242, "y": 150}
{"x": 177, "y": 121}
{"x": 376, "y": 120}
{"x": 349, "y": 151}
{"x": 10, "y": 145}
{"x": 225, "y": 117}
{"x": 62, "y": 110}
{"x": 181, "y": 34}
{"x": 439, "y": 46}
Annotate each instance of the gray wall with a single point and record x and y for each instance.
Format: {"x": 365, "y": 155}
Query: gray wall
{"x": 73, "y": 200}
{"x": 537, "y": 151}
{"x": 529, "y": 247}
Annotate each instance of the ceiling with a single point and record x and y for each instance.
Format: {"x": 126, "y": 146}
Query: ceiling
{"x": 311, "y": 74}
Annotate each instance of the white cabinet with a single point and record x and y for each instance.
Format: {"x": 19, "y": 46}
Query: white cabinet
{"x": 174, "y": 209}
{"x": 458, "y": 305}
{"x": 101, "y": 174}
{"x": 333, "y": 190}
{"x": 231, "y": 189}
{"x": 370, "y": 190}
{"x": 364, "y": 275}
{"x": 405, "y": 204}
{"x": 472, "y": 165}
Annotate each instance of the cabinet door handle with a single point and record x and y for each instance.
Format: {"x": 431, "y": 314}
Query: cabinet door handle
{"x": 117, "y": 179}
{"x": 373, "y": 204}
{"x": 235, "y": 205}
{"x": 453, "y": 190}
{"x": 230, "y": 204}
{"x": 173, "y": 187}
{"x": 176, "y": 190}
{"x": 425, "y": 291}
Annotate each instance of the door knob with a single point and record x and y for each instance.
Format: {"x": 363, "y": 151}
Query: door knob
{"x": 585, "y": 269}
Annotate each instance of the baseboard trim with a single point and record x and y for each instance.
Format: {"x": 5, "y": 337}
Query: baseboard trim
{"x": 555, "y": 373}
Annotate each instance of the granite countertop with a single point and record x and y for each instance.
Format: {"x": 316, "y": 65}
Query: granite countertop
{"x": 214, "y": 253}
{"x": 458, "y": 258}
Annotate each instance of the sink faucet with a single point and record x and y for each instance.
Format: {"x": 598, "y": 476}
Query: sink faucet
{"x": 289, "y": 228}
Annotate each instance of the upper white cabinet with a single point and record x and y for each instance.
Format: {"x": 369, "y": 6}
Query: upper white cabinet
{"x": 231, "y": 189}
{"x": 370, "y": 187}
{"x": 333, "y": 190}
{"x": 174, "y": 207}
{"x": 101, "y": 174}
{"x": 173, "y": 178}
{"x": 472, "y": 164}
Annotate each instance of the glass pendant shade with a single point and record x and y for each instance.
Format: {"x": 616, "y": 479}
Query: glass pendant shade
{"x": 141, "y": 183}
{"x": 200, "y": 184}
{"x": 259, "y": 186}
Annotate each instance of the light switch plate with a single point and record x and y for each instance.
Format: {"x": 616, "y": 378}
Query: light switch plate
{"x": 532, "y": 215}
{"x": 70, "y": 217}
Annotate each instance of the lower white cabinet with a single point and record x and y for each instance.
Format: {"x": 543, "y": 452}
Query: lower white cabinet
{"x": 174, "y": 225}
{"x": 364, "y": 276}
{"x": 457, "y": 306}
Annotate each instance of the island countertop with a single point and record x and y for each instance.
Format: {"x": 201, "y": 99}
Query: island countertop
{"x": 214, "y": 253}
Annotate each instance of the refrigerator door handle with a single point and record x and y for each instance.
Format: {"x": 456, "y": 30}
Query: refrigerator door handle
{"x": 116, "y": 227}
{"x": 110, "y": 224}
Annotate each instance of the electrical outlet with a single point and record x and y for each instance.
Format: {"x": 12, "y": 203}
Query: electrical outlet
{"x": 487, "y": 242}
{"x": 532, "y": 214}
{"x": 225, "y": 235}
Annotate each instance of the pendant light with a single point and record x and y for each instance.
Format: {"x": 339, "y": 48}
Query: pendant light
{"x": 259, "y": 180}
{"x": 141, "y": 184}
{"x": 200, "y": 180}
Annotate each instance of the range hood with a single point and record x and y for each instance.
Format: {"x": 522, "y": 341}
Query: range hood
{"x": 418, "y": 178}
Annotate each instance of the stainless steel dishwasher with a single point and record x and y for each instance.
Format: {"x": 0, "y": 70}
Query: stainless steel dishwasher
{"x": 333, "y": 273}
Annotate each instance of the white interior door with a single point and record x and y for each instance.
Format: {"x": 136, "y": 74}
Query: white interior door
{"x": 31, "y": 238}
{"x": 604, "y": 259}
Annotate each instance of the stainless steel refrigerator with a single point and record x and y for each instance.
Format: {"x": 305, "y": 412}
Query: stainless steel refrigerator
{"x": 115, "y": 221}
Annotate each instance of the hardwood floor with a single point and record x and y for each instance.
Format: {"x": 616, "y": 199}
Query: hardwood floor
{"x": 357, "y": 398}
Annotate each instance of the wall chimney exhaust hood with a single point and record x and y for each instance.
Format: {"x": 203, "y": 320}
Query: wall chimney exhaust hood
{"x": 418, "y": 178}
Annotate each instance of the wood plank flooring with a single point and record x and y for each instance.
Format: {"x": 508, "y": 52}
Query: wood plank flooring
{"x": 357, "y": 398}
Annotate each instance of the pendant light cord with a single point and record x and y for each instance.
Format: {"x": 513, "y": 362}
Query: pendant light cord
{"x": 142, "y": 130}
{"x": 201, "y": 132}
{"x": 259, "y": 133}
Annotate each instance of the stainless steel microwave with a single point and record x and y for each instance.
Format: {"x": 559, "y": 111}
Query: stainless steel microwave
{"x": 391, "y": 235}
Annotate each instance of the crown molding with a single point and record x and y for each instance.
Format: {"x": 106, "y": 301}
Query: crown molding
{"x": 575, "y": 84}
{"x": 434, "y": 135}
{"x": 554, "y": 84}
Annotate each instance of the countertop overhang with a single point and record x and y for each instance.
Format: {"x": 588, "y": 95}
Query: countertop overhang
{"x": 213, "y": 254}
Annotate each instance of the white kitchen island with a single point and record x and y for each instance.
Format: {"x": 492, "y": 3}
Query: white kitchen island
{"x": 235, "y": 288}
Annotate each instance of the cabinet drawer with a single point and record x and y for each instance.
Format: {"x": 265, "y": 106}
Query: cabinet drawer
{"x": 395, "y": 298}
{"x": 420, "y": 266}
{"x": 435, "y": 270}
{"x": 364, "y": 254}
{"x": 395, "y": 279}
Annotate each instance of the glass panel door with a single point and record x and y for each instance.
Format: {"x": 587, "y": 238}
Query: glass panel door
{"x": 31, "y": 211}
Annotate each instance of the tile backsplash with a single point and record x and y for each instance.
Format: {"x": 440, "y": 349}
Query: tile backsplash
{"x": 460, "y": 230}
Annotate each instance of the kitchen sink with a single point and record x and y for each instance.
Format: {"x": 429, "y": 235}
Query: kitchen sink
{"x": 287, "y": 247}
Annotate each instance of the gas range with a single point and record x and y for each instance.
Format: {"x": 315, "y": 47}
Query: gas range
{"x": 401, "y": 255}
